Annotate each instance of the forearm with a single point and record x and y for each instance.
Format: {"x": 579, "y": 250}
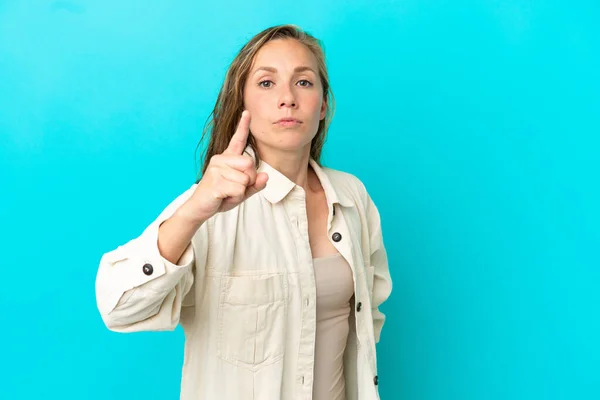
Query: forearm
{"x": 175, "y": 234}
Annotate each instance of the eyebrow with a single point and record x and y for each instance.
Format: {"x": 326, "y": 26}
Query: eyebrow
{"x": 301, "y": 68}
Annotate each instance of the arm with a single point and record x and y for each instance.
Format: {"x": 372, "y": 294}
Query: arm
{"x": 382, "y": 281}
{"x": 141, "y": 285}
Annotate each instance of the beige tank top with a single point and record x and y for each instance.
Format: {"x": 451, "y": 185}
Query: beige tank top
{"x": 335, "y": 288}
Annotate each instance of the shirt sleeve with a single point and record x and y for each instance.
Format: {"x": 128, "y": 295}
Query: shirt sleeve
{"x": 382, "y": 281}
{"x": 139, "y": 290}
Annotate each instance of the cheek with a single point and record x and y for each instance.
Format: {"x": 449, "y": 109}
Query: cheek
{"x": 316, "y": 110}
{"x": 315, "y": 103}
{"x": 259, "y": 116}
{"x": 253, "y": 97}
{"x": 258, "y": 103}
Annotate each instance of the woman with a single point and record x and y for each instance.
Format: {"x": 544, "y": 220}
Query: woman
{"x": 273, "y": 265}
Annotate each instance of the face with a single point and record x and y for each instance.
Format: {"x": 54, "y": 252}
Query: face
{"x": 284, "y": 83}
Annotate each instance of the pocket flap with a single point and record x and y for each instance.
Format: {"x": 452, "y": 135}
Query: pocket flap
{"x": 254, "y": 289}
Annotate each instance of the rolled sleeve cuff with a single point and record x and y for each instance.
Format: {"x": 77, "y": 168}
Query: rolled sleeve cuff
{"x": 138, "y": 264}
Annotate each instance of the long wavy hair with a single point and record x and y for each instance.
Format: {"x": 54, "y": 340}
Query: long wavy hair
{"x": 223, "y": 120}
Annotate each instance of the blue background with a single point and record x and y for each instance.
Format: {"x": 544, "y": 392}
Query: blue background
{"x": 474, "y": 125}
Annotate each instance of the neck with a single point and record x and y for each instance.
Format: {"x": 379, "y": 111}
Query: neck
{"x": 293, "y": 164}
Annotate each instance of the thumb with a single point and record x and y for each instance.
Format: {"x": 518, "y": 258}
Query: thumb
{"x": 259, "y": 184}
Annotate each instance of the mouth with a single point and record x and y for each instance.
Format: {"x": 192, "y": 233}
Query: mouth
{"x": 288, "y": 122}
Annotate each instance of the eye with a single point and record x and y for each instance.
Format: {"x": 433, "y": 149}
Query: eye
{"x": 307, "y": 83}
{"x": 265, "y": 81}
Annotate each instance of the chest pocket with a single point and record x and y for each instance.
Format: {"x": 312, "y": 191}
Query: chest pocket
{"x": 252, "y": 315}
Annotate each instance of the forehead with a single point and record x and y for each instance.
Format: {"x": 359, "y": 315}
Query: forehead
{"x": 284, "y": 53}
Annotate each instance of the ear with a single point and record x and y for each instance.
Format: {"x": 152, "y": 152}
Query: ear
{"x": 323, "y": 109}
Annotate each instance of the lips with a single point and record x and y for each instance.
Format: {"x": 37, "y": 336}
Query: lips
{"x": 288, "y": 121}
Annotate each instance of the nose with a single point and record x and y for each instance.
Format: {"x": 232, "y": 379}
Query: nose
{"x": 287, "y": 98}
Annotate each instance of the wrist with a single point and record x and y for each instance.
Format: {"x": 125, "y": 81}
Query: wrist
{"x": 189, "y": 216}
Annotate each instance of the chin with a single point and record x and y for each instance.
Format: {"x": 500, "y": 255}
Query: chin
{"x": 292, "y": 143}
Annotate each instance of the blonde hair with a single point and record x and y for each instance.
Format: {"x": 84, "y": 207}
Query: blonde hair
{"x": 223, "y": 120}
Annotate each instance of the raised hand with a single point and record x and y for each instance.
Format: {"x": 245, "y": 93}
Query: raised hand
{"x": 229, "y": 179}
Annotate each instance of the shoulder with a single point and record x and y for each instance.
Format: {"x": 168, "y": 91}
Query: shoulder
{"x": 347, "y": 186}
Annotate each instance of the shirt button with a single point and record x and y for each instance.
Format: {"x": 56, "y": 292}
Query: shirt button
{"x": 148, "y": 269}
{"x": 359, "y": 306}
{"x": 336, "y": 237}
{"x": 376, "y": 380}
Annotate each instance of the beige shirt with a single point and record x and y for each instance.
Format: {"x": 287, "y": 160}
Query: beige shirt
{"x": 244, "y": 291}
{"x": 335, "y": 288}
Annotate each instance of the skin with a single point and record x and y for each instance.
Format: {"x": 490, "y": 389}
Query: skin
{"x": 270, "y": 96}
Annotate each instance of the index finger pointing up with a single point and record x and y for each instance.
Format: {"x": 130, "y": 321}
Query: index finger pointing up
{"x": 240, "y": 137}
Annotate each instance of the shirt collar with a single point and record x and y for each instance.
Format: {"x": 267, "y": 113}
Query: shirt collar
{"x": 279, "y": 186}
